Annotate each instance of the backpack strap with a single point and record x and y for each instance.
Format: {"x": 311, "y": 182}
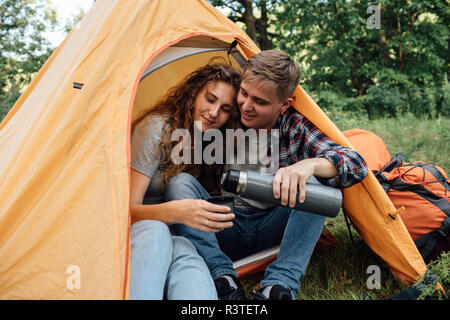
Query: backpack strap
{"x": 395, "y": 162}
{"x": 427, "y": 242}
{"x": 383, "y": 181}
{"x": 438, "y": 175}
{"x": 442, "y": 203}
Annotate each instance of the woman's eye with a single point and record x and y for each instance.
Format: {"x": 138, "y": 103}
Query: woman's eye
{"x": 210, "y": 100}
{"x": 227, "y": 109}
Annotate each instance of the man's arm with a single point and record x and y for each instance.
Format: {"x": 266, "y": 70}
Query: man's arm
{"x": 306, "y": 151}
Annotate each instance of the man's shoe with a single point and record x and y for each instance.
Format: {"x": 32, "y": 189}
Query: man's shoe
{"x": 229, "y": 291}
{"x": 277, "y": 292}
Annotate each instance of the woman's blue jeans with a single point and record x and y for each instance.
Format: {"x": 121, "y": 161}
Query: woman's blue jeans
{"x": 162, "y": 265}
{"x": 253, "y": 230}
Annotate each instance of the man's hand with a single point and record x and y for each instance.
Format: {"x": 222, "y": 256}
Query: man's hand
{"x": 289, "y": 179}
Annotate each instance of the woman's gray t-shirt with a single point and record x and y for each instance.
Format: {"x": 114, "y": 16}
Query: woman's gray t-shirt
{"x": 146, "y": 156}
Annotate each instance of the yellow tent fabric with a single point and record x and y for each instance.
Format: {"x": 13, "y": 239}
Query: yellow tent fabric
{"x": 64, "y": 152}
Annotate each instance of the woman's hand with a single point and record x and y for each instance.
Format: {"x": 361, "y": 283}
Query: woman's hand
{"x": 198, "y": 214}
{"x": 201, "y": 214}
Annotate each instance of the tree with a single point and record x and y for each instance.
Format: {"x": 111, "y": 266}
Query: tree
{"x": 256, "y": 15}
{"x": 23, "y": 46}
{"x": 400, "y": 67}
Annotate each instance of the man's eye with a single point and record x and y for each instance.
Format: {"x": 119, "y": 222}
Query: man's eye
{"x": 261, "y": 103}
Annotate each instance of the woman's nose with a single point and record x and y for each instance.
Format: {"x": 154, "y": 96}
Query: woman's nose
{"x": 214, "y": 111}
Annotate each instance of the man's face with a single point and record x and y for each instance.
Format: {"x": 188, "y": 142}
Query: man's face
{"x": 260, "y": 105}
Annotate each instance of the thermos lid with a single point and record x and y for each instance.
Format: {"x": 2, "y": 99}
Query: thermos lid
{"x": 230, "y": 180}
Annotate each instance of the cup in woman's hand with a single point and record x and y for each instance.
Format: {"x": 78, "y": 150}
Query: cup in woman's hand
{"x": 223, "y": 201}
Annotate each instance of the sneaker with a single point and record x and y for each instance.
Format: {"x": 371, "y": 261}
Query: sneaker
{"x": 227, "y": 291}
{"x": 277, "y": 292}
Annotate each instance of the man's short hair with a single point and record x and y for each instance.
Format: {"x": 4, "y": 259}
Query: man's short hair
{"x": 275, "y": 69}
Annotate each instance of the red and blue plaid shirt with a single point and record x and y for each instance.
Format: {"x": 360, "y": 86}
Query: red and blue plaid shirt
{"x": 300, "y": 139}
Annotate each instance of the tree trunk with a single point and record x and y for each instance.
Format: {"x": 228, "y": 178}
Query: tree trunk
{"x": 383, "y": 44}
{"x": 249, "y": 18}
{"x": 264, "y": 42}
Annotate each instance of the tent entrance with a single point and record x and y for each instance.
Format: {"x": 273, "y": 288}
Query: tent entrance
{"x": 175, "y": 62}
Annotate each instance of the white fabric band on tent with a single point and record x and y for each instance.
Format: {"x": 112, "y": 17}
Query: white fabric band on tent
{"x": 175, "y": 53}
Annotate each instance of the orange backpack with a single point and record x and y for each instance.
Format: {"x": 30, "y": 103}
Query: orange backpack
{"x": 422, "y": 189}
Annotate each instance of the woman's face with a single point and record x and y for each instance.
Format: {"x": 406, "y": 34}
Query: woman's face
{"x": 213, "y": 105}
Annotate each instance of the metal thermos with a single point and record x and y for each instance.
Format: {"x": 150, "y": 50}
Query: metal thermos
{"x": 319, "y": 199}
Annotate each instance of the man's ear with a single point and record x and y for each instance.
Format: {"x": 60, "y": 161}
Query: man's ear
{"x": 289, "y": 102}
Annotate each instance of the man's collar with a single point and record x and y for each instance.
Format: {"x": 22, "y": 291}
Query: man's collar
{"x": 281, "y": 117}
{"x": 278, "y": 123}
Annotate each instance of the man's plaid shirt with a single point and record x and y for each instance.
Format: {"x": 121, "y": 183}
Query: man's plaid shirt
{"x": 300, "y": 139}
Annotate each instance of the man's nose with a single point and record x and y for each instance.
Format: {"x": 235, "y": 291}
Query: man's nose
{"x": 246, "y": 105}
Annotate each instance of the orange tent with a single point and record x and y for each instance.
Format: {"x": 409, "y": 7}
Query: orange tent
{"x": 65, "y": 149}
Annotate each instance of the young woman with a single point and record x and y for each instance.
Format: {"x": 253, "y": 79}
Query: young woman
{"x": 163, "y": 265}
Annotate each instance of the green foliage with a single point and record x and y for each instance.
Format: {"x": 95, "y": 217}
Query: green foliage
{"x": 401, "y": 67}
{"x": 72, "y": 21}
{"x": 441, "y": 268}
{"x": 23, "y": 45}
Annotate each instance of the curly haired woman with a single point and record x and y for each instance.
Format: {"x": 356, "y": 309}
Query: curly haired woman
{"x": 163, "y": 265}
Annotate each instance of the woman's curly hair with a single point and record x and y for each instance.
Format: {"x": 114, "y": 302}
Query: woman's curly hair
{"x": 177, "y": 106}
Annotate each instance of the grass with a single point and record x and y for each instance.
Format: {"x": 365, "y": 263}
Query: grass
{"x": 419, "y": 139}
{"x": 341, "y": 273}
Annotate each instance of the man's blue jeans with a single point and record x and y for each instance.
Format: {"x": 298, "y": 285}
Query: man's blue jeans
{"x": 165, "y": 265}
{"x": 252, "y": 231}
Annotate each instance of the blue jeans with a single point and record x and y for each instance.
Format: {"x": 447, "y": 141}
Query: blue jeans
{"x": 253, "y": 230}
{"x": 165, "y": 265}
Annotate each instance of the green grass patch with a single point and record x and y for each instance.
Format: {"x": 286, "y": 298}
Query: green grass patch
{"x": 419, "y": 139}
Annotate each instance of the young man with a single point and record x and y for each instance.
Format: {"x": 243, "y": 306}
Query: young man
{"x": 265, "y": 100}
